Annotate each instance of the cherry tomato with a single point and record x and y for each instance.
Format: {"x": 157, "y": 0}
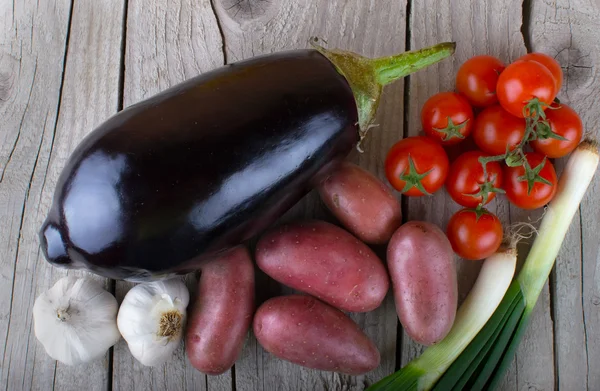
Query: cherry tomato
{"x": 565, "y": 123}
{"x": 416, "y": 166}
{"x": 465, "y": 179}
{"x": 474, "y": 235}
{"x": 535, "y": 189}
{"x": 448, "y": 117}
{"x": 496, "y": 129}
{"x": 477, "y": 77}
{"x": 522, "y": 81}
{"x": 550, "y": 63}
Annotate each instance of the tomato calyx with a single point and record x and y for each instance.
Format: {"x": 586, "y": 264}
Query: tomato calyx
{"x": 487, "y": 186}
{"x": 452, "y": 130}
{"x": 485, "y": 189}
{"x": 413, "y": 179}
{"x": 534, "y": 109}
{"x": 514, "y": 159}
{"x": 479, "y": 211}
{"x": 532, "y": 175}
{"x": 543, "y": 131}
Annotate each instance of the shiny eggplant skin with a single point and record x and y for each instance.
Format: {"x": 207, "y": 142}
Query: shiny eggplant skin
{"x": 201, "y": 167}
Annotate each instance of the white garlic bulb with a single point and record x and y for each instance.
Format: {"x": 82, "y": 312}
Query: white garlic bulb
{"x": 151, "y": 319}
{"x": 75, "y": 320}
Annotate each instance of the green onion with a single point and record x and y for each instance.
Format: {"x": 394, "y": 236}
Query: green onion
{"x": 474, "y": 356}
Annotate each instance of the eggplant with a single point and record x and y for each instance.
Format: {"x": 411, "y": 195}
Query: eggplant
{"x": 203, "y": 166}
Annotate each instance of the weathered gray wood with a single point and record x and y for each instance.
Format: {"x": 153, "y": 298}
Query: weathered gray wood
{"x": 30, "y": 80}
{"x": 372, "y": 28}
{"x": 486, "y": 27}
{"x": 568, "y": 31}
{"x": 32, "y": 65}
{"x": 166, "y": 43}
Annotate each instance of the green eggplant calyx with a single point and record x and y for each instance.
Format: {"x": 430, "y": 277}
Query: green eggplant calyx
{"x": 367, "y": 76}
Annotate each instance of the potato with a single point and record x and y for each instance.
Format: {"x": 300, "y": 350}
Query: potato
{"x": 222, "y": 314}
{"x": 325, "y": 261}
{"x": 362, "y": 203}
{"x": 310, "y": 333}
{"x": 423, "y": 271}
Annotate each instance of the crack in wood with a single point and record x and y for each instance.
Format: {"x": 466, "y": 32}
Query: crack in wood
{"x": 220, "y": 27}
{"x": 526, "y": 23}
{"x": 585, "y": 333}
{"x": 14, "y": 147}
{"x": 121, "y": 82}
{"x": 405, "y": 134}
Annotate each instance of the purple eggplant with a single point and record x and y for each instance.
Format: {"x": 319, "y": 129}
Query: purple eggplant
{"x": 208, "y": 164}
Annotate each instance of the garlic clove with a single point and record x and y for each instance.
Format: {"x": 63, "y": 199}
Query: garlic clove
{"x": 151, "y": 319}
{"x": 75, "y": 320}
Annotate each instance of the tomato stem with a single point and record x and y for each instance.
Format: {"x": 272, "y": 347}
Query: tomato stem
{"x": 413, "y": 178}
{"x": 532, "y": 175}
{"x": 452, "y": 129}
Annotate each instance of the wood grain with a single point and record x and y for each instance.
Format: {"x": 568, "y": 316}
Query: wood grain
{"x": 54, "y": 103}
{"x": 166, "y": 43}
{"x": 60, "y": 70}
{"x": 372, "y": 28}
{"x": 568, "y": 31}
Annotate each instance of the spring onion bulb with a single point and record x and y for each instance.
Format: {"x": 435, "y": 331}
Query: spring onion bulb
{"x": 475, "y": 358}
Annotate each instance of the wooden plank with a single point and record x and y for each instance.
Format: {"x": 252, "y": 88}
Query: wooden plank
{"x": 32, "y": 65}
{"x": 568, "y": 31}
{"x": 166, "y": 43}
{"x": 485, "y": 27}
{"x": 372, "y": 28}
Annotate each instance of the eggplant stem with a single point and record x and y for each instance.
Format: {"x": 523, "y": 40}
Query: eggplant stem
{"x": 366, "y": 77}
{"x": 391, "y": 68}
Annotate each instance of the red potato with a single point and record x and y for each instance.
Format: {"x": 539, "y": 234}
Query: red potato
{"x": 325, "y": 261}
{"x": 362, "y": 203}
{"x": 423, "y": 271}
{"x": 310, "y": 333}
{"x": 220, "y": 319}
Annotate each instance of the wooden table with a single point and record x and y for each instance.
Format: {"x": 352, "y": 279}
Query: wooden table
{"x": 66, "y": 65}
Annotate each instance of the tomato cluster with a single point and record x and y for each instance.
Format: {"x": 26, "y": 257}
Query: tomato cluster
{"x": 517, "y": 124}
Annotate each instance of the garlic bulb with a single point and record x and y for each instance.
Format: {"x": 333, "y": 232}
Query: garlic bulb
{"x": 75, "y": 320}
{"x": 151, "y": 319}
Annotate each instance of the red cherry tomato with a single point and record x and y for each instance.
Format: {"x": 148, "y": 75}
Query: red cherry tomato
{"x": 477, "y": 77}
{"x": 550, "y": 63}
{"x": 474, "y": 235}
{"x": 416, "y": 166}
{"x": 535, "y": 189}
{"x": 496, "y": 129}
{"x": 448, "y": 117}
{"x": 522, "y": 81}
{"x": 565, "y": 123}
{"x": 465, "y": 179}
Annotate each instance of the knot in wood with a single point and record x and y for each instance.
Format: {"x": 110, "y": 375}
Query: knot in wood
{"x": 246, "y": 10}
{"x": 7, "y": 77}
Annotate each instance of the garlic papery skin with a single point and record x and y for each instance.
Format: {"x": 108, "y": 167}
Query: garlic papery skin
{"x": 151, "y": 319}
{"x": 76, "y": 320}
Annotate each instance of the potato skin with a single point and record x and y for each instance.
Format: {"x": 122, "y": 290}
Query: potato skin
{"x": 362, "y": 203}
{"x": 310, "y": 333}
{"x": 222, "y": 314}
{"x": 423, "y": 272}
{"x": 324, "y": 261}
